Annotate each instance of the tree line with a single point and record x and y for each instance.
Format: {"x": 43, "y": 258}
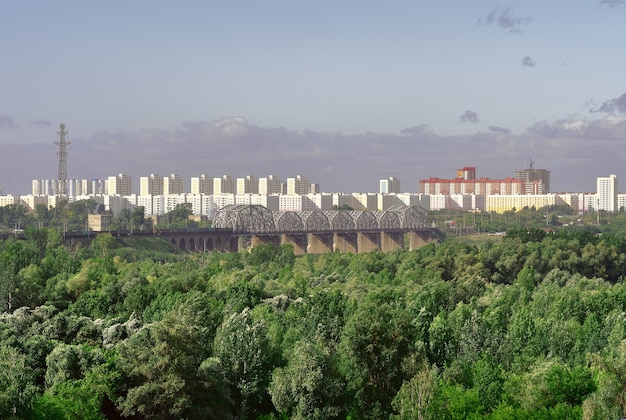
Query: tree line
{"x": 530, "y": 326}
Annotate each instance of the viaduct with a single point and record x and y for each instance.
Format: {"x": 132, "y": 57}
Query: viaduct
{"x": 318, "y": 232}
{"x": 309, "y": 232}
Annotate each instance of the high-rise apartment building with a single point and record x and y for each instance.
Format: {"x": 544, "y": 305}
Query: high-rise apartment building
{"x": 606, "y": 193}
{"x": 466, "y": 183}
{"x": 44, "y": 186}
{"x": 389, "y": 186}
{"x": 202, "y": 185}
{"x": 98, "y": 186}
{"x": 119, "y": 185}
{"x": 270, "y": 185}
{"x": 298, "y": 185}
{"x": 467, "y": 173}
{"x": 533, "y": 175}
{"x": 173, "y": 185}
{"x": 151, "y": 185}
{"x": 223, "y": 185}
{"x": 248, "y": 185}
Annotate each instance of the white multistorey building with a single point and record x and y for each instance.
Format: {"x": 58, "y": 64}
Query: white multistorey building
{"x": 196, "y": 203}
{"x": 116, "y": 203}
{"x": 223, "y": 200}
{"x": 389, "y": 185}
{"x": 474, "y": 202}
{"x": 247, "y": 185}
{"x": 298, "y": 185}
{"x": 202, "y": 184}
{"x": 77, "y": 187}
{"x": 98, "y": 186}
{"x": 224, "y": 185}
{"x": 317, "y": 201}
{"x": 43, "y": 187}
{"x": 502, "y": 203}
{"x": 33, "y": 200}
{"x": 151, "y": 185}
{"x": 621, "y": 202}
{"x": 364, "y": 201}
{"x": 586, "y": 202}
{"x": 7, "y": 200}
{"x": 270, "y": 185}
{"x": 145, "y": 201}
{"x": 208, "y": 206}
{"x": 120, "y": 184}
{"x": 173, "y": 185}
{"x": 173, "y": 200}
{"x": 606, "y": 193}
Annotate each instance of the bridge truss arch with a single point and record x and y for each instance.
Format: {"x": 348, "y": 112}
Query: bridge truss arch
{"x": 411, "y": 217}
{"x": 340, "y": 220}
{"x": 388, "y": 220}
{"x": 315, "y": 221}
{"x": 365, "y": 221}
{"x": 256, "y": 219}
{"x": 288, "y": 221}
{"x": 245, "y": 219}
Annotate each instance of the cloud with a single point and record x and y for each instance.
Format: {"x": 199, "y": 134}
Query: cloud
{"x": 338, "y": 162}
{"x": 528, "y": 61}
{"x": 7, "y": 122}
{"x": 41, "y": 123}
{"x": 470, "y": 117}
{"x": 617, "y": 105}
{"x": 499, "y": 130}
{"x": 611, "y": 3}
{"x": 502, "y": 18}
{"x": 417, "y": 129}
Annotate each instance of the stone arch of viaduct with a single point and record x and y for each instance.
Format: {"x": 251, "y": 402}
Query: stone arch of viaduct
{"x": 202, "y": 241}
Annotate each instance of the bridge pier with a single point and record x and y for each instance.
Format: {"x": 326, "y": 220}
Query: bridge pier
{"x": 257, "y": 240}
{"x": 419, "y": 239}
{"x": 299, "y": 242}
{"x": 368, "y": 242}
{"x": 319, "y": 243}
{"x": 390, "y": 241}
{"x": 345, "y": 242}
{"x": 230, "y": 244}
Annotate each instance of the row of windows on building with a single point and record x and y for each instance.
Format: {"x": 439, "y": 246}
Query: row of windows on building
{"x": 155, "y": 184}
{"x": 526, "y": 182}
{"x": 204, "y": 204}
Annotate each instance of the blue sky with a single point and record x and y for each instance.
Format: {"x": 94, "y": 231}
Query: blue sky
{"x": 424, "y": 86}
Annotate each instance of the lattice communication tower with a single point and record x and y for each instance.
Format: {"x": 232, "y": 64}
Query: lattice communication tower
{"x": 62, "y": 154}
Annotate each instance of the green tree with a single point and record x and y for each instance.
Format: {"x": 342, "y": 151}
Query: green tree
{"x": 85, "y": 398}
{"x": 488, "y": 381}
{"x": 376, "y": 342}
{"x": 309, "y": 387}
{"x": 609, "y": 400}
{"x": 18, "y": 391}
{"x": 243, "y": 349}
{"x": 415, "y": 397}
{"x": 161, "y": 365}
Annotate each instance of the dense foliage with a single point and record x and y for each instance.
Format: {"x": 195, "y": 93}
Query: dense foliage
{"x": 531, "y": 326}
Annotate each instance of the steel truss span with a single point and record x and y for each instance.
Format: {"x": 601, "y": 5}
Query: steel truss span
{"x": 256, "y": 219}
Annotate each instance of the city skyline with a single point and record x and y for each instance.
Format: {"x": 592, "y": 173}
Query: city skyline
{"x": 186, "y": 182}
{"x": 346, "y": 94}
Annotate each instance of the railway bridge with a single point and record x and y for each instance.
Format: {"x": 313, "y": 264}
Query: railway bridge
{"x": 317, "y": 232}
{"x": 309, "y": 232}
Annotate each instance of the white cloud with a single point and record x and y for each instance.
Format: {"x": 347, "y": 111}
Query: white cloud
{"x": 575, "y": 150}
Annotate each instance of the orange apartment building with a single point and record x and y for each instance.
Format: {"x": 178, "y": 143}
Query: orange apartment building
{"x": 466, "y": 183}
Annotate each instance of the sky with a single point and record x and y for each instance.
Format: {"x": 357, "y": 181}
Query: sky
{"x": 344, "y": 93}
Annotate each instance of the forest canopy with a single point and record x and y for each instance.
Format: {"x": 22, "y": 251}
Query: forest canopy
{"x": 529, "y": 326}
